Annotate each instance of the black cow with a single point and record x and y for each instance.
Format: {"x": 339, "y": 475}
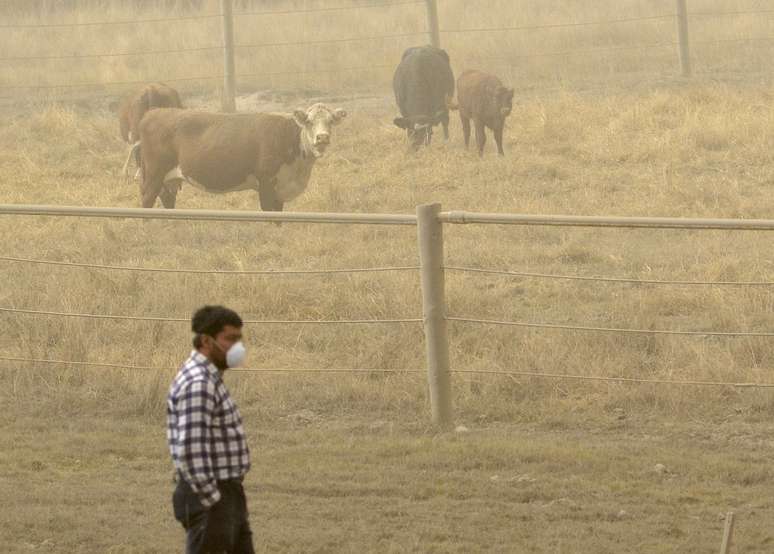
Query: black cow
{"x": 424, "y": 86}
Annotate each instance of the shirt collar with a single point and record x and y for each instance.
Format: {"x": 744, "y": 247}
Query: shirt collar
{"x": 201, "y": 359}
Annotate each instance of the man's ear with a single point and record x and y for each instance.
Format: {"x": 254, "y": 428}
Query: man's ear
{"x": 402, "y": 122}
{"x": 338, "y": 115}
{"x": 300, "y": 117}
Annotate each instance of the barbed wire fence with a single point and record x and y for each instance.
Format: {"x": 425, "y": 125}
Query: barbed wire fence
{"x": 432, "y": 269}
{"x": 435, "y": 30}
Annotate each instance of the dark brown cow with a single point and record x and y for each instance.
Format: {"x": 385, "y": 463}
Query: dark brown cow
{"x": 271, "y": 153}
{"x": 133, "y": 108}
{"x": 483, "y": 98}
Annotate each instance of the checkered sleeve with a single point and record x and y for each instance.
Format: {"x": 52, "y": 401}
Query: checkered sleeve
{"x": 196, "y": 406}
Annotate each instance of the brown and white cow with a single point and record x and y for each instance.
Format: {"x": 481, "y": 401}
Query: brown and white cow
{"x": 219, "y": 153}
{"x": 133, "y": 108}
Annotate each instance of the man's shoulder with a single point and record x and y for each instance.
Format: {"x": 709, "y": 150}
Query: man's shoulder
{"x": 193, "y": 373}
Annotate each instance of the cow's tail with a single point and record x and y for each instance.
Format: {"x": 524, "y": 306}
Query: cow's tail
{"x": 134, "y": 148}
{"x": 450, "y": 103}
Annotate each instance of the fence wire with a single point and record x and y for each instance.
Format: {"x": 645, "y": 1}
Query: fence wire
{"x": 109, "y": 54}
{"x": 615, "y": 379}
{"x": 609, "y": 329}
{"x": 332, "y": 41}
{"x": 213, "y": 271}
{"x": 559, "y": 25}
{"x": 371, "y": 67}
{"x": 114, "y": 22}
{"x": 331, "y": 9}
{"x": 607, "y": 279}
{"x": 109, "y": 83}
{"x": 723, "y": 14}
{"x": 595, "y": 50}
{"x": 510, "y": 373}
{"x": 239, "y": 370}
{"x": 188, "y": 319}
{"x": 201, "y": 16}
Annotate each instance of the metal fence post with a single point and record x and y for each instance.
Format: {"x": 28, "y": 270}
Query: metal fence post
{"x": 228, "y": 102}
{"x": 682, "y": 30}
{"x": 430, "y": 233}
{"x": 432, "y": 23}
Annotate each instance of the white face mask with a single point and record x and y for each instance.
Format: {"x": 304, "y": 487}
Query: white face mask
{"x": 235, "y": 356}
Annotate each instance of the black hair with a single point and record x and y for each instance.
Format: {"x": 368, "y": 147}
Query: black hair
{"x": 210, "y": 320}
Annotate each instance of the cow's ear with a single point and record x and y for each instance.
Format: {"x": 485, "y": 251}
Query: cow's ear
{"x": 401, "y": 122}
{"x": 338, "y": 115}
{"x": 300, "y": 117}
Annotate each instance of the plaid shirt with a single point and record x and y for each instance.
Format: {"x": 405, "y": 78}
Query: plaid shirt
{"x": 204, "y": 429}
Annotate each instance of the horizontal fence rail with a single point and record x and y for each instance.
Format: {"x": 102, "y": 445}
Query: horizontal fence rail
{"x": 462, "y": 217}
{"x": 211, "y": 215}
{"x": 452, "y": 217}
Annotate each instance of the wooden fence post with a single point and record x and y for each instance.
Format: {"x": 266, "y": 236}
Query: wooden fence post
{"x": 228, "y": 102}
{"x": 430, "y": 232}
{"x": 682, "y": 31}
{"x": 728, "y": 532}
{"x": 432, "y": 23}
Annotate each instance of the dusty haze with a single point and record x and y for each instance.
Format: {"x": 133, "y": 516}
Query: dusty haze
{"x": 602, "y": 125}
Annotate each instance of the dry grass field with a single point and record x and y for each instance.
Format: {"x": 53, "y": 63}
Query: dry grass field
{"x": 349, "y": 463}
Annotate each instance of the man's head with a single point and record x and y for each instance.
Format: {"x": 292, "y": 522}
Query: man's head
{"x": 216, "y": 329}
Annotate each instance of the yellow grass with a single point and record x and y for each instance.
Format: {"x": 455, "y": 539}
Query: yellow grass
{"x": 349, "y": 463}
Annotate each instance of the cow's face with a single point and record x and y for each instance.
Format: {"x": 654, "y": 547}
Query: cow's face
{"x": 419, "y": 132}
{"x": 504, "y": 101}
{"x": 316, "y": 124}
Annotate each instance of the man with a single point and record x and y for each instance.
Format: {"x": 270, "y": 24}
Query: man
{"x": 207, "y": 441}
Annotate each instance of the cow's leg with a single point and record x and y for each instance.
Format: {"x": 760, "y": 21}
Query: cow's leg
{"x": 445, "y": 124}
{"x": 465, "y": 128}
{"x": 498, "y": 136}
{"x": 151, "y": 185}
{"x": 168, "y": 194}
{"x": 138, "y": 158}
{"x": 480, "y": 136}
{"x": 267, "y": 195}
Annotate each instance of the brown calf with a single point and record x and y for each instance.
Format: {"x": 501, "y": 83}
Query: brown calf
{"x": 483, "y": 98}
{"x": 219, "y": 153}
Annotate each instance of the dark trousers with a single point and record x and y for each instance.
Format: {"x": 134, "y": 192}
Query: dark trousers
{"x": 221, "y": 529}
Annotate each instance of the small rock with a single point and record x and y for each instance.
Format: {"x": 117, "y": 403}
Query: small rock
{"x": 494, "y": 478}
{"x": 461, "y": 429}
{"x": 660, "y": 468}
{"x": 622, "y": 514}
